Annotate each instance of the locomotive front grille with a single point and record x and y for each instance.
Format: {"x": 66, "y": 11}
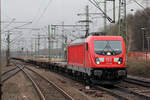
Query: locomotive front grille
{"x": 109, "y": 74}
{"x": 98, "y": 73}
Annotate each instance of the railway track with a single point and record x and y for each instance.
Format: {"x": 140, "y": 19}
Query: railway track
{"x": 134, "y": 89}
{"x": 4, "y": 73}
{"x": 138, "y": 82}
{"x": 46, "y": 89}
{"x": 111, "y": 92}
{"x": 123, "y": 93}
{"x": 10, "y": 73}
{"x": 142, "y": 90}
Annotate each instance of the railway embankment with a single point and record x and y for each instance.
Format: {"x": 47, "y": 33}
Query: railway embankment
{"x": 138, "y": 67}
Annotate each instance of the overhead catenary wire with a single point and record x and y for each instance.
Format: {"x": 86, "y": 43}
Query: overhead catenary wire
{"x": 17, "y": 27}
{"x": 39, "y": 8}
{"x": 41, "y": 15}
{"x": 10, "y": 23}
{"x": 95, "y": 3}
{"x": 138, "y": 3}
{"x": 128, "y": 3}
{"x": 44, "y": 10}
{"x": 141, "y": 7}
{"x": 32, "y": 21}
{"x": 15, "y": 39}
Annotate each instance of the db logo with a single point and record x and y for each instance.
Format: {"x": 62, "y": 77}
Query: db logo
{"x": 109, "y": 60}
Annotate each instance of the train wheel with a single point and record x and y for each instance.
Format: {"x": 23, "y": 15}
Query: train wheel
{"x": 86, "y": 79}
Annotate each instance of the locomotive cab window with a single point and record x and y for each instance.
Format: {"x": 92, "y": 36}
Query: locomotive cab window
{"x": 108, "y": 47}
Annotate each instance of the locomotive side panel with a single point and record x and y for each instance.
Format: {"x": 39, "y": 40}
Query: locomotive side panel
{"x": 76, "y": 55}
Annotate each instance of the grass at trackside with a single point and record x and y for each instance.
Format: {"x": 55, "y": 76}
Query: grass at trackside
{"x": 138, "y": 68}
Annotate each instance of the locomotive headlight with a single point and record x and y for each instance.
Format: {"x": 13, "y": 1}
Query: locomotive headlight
{"x": 118, "y": 60}
{"x": 97, "y": 61}
{"x": 108, "y": 53}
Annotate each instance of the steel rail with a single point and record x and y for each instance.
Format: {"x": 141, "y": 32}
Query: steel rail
{"x": 10, "y": 76}
{"x": 118, "y": 89}
{"x": 99, "y": 88}
{"x": 53, "y": 84}
{"x": 111, "y": 92}
{"x": 138, "y": 82}
{"x": 34, "y": 84}
{"x": 9, "y": 71}
{"x": 121, "y": 95}
{"x": 133, "y": 92}
{"x": 114, "y": 94}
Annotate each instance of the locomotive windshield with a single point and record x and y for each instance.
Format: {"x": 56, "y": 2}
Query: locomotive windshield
{"x": 108, "y": 47}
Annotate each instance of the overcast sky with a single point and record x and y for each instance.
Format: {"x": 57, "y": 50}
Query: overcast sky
{"x": 49, "y": 11}
{"x": 55, "y": 10}
{"x": 44, "y": 12}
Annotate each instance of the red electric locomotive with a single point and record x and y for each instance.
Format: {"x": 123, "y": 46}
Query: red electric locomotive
{"x": 100, "y": 59}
